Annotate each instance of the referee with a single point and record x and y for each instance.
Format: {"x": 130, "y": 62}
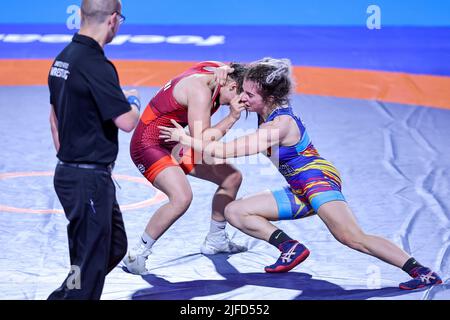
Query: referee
{"x": 88, "y": 107}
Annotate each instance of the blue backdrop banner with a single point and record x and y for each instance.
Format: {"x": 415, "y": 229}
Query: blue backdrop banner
{"x": 248, "y": 12}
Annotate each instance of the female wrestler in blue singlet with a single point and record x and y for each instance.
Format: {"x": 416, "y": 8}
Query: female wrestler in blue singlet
{"x": 314, "y": 185}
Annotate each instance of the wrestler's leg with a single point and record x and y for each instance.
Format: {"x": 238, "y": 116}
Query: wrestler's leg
{"x": 173, "y": 182}
{"x": 252, "y": 215}
{"x": 228, "y": 179}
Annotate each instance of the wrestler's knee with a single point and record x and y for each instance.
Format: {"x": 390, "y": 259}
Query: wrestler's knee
{"x": 233, "y": 212}
{"x": 352, "y": 239}
{"x": 233, "y": 180}
{"x": 181, "y": 200}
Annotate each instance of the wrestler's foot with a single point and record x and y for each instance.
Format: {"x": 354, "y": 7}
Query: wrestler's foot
{"x": 135, "y": 259}
{"x": 218, "y": 242}
{"x": 422, "y": 277}
{"x": 292, "y": 254}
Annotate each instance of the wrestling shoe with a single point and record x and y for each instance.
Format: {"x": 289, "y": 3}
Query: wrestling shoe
{"x": 218, "y": 242}
{"x": 135, "y": 259}
{"x": 292, "y": 254}
{"x": 422, "y": 277}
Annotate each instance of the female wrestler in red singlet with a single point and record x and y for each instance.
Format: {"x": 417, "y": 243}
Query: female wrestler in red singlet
{"x": 190, "y": 99}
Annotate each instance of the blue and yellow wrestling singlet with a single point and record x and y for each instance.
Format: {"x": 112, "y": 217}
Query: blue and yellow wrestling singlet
{"x": 312, "y": 180}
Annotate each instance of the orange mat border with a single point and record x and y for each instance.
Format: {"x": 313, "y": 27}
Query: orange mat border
{"x": 413, "y": 89}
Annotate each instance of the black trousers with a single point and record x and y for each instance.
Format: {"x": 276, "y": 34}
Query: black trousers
{"x": 97, "y": 238}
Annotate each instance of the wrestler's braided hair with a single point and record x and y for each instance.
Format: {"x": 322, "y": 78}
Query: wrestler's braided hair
{"x": 274, "y": 79}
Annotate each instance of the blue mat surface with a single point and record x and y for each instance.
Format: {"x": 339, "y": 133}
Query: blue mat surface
{"x": 395, "y": 165}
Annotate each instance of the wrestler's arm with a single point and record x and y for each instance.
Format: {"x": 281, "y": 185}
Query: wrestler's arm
{"x": 268, "y": 135}
{"x": 199, "y": 109}
{"x": 216, "y": 132}
{"x": 221, "y": 72}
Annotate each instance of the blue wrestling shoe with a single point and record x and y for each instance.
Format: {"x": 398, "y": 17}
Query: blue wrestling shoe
{"x": 422, "y": 277}
{"x": 292, "y": 254}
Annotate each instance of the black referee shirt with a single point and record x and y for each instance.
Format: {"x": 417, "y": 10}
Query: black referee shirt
{"x": 86, "y": 94}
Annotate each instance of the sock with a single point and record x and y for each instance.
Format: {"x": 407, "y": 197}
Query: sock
{"x": 146, "y": 240}
{"x": 217, "y": 226}
{"x": 278, "y": 237}
{"x": 410, "y": 265}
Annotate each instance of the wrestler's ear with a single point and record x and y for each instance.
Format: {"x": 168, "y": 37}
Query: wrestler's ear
{"x": 270, "y": 99}
{"x": 233, "y": 86}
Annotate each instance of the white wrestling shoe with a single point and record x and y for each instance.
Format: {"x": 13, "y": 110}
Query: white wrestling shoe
{"x": 135, "y": 259}
{"x": 218, "y": 242}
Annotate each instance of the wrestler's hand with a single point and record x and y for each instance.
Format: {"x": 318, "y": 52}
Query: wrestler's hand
{"x": 221, "y": 74}
{"x": 236, "y": 107}
{"x": 172, "y": 134}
